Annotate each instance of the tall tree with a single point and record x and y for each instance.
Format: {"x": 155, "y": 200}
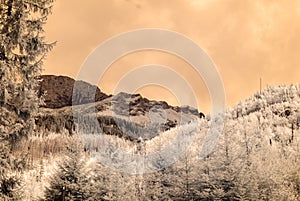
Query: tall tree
{"x": 22, "y": 51}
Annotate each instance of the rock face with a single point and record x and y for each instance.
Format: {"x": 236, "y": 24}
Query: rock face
{"x": 58, "y": 91}
{"x": 135, "y": 105}
{"x": 124, "y": 115}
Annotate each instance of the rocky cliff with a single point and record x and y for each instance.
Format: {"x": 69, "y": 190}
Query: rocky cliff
{"x": 124, "y": 115}
{"x": 58, "y": 91}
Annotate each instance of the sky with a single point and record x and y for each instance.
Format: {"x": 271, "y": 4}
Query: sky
{"x": 247, "y": 40}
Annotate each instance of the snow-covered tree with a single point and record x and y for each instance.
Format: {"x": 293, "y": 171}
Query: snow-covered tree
{"x": 74, "y": 180}
{"x": 106, "y": 185}
{"x": 22, "y": 51}
{"x": 160, "y": 185}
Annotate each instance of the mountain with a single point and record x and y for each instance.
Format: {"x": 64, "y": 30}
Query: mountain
{"x": 256, "y": 157}
{"x": 124, "y": 115}
{"x": 58, "y": 91}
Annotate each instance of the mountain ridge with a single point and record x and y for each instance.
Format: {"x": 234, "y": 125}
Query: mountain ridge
{"x": 58, "y": 91}
{"x": 136, "y": 113}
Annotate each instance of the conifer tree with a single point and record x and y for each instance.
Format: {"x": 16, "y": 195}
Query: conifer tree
{"x": 160, "y": 185}
{"x": 73, "y": 179}
{"x": 22, "y": 51}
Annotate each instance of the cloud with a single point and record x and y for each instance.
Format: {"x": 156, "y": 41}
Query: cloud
{"x": 246, "y": 39}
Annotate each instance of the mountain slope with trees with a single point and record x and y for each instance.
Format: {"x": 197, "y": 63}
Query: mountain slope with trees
{"x": 256, "y": 157}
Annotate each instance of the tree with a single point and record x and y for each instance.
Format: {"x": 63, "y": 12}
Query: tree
{"x": 160, "y": 185}
{"x": 22, "y": 50}
{"x": 73, "y": 180}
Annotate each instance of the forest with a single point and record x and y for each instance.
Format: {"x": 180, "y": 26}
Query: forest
{"x": 257, "y": 155}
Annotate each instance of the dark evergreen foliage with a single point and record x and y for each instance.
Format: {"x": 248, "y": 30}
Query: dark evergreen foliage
{"x": 22, "y": 50}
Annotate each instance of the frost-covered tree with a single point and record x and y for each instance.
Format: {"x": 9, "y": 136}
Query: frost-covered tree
{"x": 74, "y": 180}
{"x": 22, "y": 50}
{"x": 109, "y": 184}
{"x": 160, "y": 185}
{"x": 186, "y": 177}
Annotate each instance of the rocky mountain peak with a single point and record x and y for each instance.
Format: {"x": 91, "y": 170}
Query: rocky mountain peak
{"x": 58, "y": 91}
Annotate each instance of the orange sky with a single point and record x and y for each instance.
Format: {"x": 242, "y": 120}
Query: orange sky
{"x": 246, "y": 39}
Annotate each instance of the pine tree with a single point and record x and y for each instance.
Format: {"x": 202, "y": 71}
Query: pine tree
{"x": 22, "y": 50}
{"x": 73, "y": 179}
{"x": 185, "y": 175}
{"x": 78, "y": 177}
{"x": 112, "y": 185}
{"x": 160, "y": 185}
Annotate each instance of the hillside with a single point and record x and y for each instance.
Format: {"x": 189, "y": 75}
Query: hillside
{"x": 255, "y": 158}
{"x": 120, "y": 115}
